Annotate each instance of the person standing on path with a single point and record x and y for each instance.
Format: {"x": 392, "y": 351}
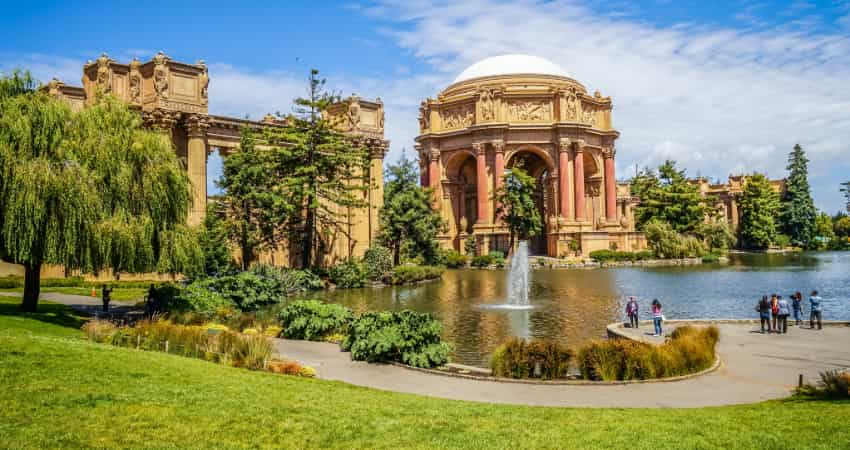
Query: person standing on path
{"x": 657, "y": 316}
{"x": 797, "y": 304}
{"x": 632, "y": 312}
{"x": 784, "y": 312}
{"x": 107, "y": 292}
{"x": 815, "y": 310}
{"x": 774, "y": 311}
{"x": 763, "y": 308}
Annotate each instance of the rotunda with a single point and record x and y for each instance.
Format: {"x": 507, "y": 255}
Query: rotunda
{"x": 521, "y": 110}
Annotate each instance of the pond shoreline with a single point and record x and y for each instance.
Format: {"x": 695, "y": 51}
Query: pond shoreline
{"x": 544, "y": 262}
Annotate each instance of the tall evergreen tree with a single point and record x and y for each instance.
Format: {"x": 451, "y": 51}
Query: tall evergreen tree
{"x": 669, "y": 197}
{"x": 321, "y": 170}
{"x": 408, "y": 221}
{"x": 845, "y": 188}
{"x": 759, "y": 205}
{"x": 517, "y": 207}
{"x": 798, "y": 209}
{"x": 89, "y": 190}
{"x": 214, "y": 240}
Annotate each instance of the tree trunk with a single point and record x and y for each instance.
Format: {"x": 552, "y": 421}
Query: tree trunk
{"x": 32, "y": 287}
{"x": 307, "y": 250}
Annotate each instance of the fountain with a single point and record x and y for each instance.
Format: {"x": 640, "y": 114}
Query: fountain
{"x": 517, "y": 282}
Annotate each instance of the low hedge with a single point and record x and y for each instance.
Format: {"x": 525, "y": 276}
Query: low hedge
{"x": 408, "y": 337}
{"x": 518, "y": 358}
{"x": 314, "y": 320}
{"x": 618, "y": 256}
{"x": 494, "y": 258}
{"x": 408, "y": 273}
{"x": 454, "y": 260}
{"x": 15, "y": 282}
{"x": 689, "y": 350}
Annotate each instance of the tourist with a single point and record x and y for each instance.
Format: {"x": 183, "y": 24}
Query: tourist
{"x": 815, "y": 310}
{"x": 797, "y": 306}
{"x": 763, "y": 308}
{"x": 784, "y": 312}
{"x": 774, "y": 311}
{"x": 657, "y": 316}
{"x": 107, "y": 291}
{"x": 632, "y": 312}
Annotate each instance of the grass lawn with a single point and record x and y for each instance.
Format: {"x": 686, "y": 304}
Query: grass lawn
{"x": 121, "y": 294}
{"x": 58, "y": 390}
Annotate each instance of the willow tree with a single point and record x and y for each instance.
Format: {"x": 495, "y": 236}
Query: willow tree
{"x": 89, "y": 190}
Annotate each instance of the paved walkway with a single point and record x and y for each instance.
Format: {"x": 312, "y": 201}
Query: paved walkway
{"x": 755, "y": 367}
{"x": 83, "y": 304}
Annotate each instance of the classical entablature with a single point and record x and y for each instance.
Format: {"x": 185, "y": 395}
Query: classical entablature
{"x": 173, "y": 96}
{"x": 517, "y": 109}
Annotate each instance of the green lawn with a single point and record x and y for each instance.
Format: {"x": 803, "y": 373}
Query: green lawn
{"x": 57, "y": 390}
{"x": 121, "y": 294}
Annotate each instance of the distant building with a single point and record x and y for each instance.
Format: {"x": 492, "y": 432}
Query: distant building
{"x": 726, "y": 195}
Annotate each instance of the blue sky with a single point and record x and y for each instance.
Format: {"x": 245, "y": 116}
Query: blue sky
{"x": 722, "y": 87}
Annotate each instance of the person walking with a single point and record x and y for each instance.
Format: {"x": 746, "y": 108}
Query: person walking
{"x": 763, "y": 308}
{"x": 815, "y": 310}
{"x": 107, "y": 297}
{"x": 657, "y": 317}
{"x": 797, "y": 306}
{"x": 774, "y": 311}
{"x": 784, "y": 312}
{"x": 632, "y": 312}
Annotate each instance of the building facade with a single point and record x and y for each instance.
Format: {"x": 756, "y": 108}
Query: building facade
{"x": 518, "y": 110}
{"x": 726, "y": 196}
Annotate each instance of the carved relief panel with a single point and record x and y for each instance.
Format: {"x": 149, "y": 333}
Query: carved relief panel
{"x": 487, "y": 105}
{"x": 570, "y": 107}
{"x": 460, "y": 116}
{"x": 529, "y": 110}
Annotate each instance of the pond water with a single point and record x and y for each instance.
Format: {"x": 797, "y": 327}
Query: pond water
{"x": 575, "y": 305}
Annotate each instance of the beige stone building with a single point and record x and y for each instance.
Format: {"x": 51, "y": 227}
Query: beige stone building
{"x": 726, "y": 195}
{"x": 515, "y": 110}
{"x": 173, "y": 96}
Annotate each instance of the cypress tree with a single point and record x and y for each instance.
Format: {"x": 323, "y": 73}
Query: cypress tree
{"x": 798, "y": 209}
{"x": 846, "y": 190}
{"x": 759, "y": 205}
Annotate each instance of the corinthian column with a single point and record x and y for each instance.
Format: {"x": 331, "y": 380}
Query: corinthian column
{"x": 610, "y": 186}
{"x": 578, "y": 163}
{"x": 434, "y": 175}
{"x": 564, "y": 179}
{"x": 481, "y": 178}
{"x": 196, "y": 165}
{"x": 498, "y": 166}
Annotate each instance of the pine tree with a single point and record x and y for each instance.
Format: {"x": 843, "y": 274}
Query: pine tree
{"x": 517, "y": 207}
{"x": 89, "y": 190}
{"x": 408, "y": 222}
{"x": 759, "y": 205}
{"x": 669, "y": 197}
{"x": 798, "y": 209}
{"x": 846, "y": 190}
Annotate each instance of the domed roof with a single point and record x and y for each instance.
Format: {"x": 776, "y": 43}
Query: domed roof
{"x": 511, "y": 65}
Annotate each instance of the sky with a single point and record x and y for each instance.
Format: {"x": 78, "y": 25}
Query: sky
{"x": 722, "y": 87}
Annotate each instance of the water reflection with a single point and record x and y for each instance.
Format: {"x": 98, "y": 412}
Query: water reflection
{"x": 574, "y": 306}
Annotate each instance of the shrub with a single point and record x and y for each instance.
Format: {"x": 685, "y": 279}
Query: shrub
{"x": 11, "y": 282}
{"x": 199, "y": 298}
{"x": 408, "y": 337}
{"x": 470, "y": 245}
{"x": 452, "y": 259}
{"x": 407, "y": 274}
{"x": 99, "y": 330}
{"x": 284, "y": 367}
{"x": 711, "y": 258}
{"x": 689, "y": 349}
{"x": 667, "y": 243}
{"x": 833, "y": 384}
{"x": 307, "y": 372}
{"x": 498, "y": 258}
{"x": 379, "y": 263}
{"x": 517, "y": 358}
{"x": 348, "y": 274}
{"x": 314, "y": 320}
{"x": 252, "y": 351}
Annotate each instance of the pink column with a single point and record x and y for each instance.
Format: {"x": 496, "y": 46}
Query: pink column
{"x": 499, "y": 167}
{"x": 564, "y": 179}
{"x": 578, "y": 164}
{"x": 434, "y": 176}
{"x": 610, "y": 187}
{"x": 481, "y": 177}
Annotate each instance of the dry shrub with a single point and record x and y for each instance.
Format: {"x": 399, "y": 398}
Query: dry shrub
{"x": 285, "y": 367}
{"x": 517, "y": 358}
{"x": 834, "y": 384}
{"x": 99, "y": 330}
{"x": 252, "y": 351}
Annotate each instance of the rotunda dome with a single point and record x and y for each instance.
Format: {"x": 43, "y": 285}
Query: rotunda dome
{"x": 511, "y": 65}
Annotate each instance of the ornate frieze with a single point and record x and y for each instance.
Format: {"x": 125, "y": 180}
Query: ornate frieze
{"x": 487, "y": 105}
{"x": 570, "y": 106}
{"x": 160, "y": 75}
{"x": 459, "y": 116}
{"x": 529, "y": 110}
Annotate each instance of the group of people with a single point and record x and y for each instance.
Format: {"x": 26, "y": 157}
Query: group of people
{"x": 657, "y": 314}
{"x": 774, "y": 312}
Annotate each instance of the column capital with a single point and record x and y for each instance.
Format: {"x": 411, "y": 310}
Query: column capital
{"x": 579, "y": 145}
{"x": 609, "y": 153}
{"x": 478, "y": 147}
{"x": 498, "y": 145}
{"x": 434, "y": 154}
{"x": 196, "y": 125}
{"x": 161, "y": 119}
{"x": 564, "y": 145}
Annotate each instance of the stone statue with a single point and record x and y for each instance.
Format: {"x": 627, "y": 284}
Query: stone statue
{"x": 488, "y": 109}
{"x": 380, "y": 114}
{"x": 53, "y": 87}
{"x": 204, "y": 80}
{"x": 571, "y": 106}
{"x": 103, "y": 74}
{"x": 135, "y": 81}
{"x": 464, "y": 224}
{"x": 354, "y": 112}
{"x": 160, "y": 75}
{"x": 424, "y": 117}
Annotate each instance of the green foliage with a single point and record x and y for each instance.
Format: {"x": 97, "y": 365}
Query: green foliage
{"x": 470, "y": 245}
{"x": 716, "y": 234}
{"x": 845, "y": 189}
{"x": 798, "y": 211}
{"x": 348, "y": 274}
{"x": 613, "y": 255}
{"x": 198, "y": 297}
{"x": 711, "y": 258}
{"x": 668, "y": 197}
{"x": 213, "y": 238}
{"x": 454, "y": 260}
{"x": 494, "y": 258}
{"x": 759, "y": 206}
{"x": 89, "y": 190}
{"x": 409, "y": 274}
{"x": 409, "y": 224}
{"x": 517, "y": 358}
{"x": 833, "y": 384}
{"x": 314, "y": 320}
{"x": 379, "y": 262}
{"x": 667, "y": 243}
{"x": 408, "y": 337}
{"x": 689, "y": 350}
{"x": 517, "y": 206}
{"x": 824, "y": 232}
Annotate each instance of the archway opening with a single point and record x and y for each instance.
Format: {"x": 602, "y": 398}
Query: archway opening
{"x": 536, "y": 166}
{"x": 461, "y": 172}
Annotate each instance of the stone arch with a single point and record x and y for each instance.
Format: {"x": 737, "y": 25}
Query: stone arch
{"x": 538, "y": 163}
{"x": 539, "y": 151}
{"x": 461, "y": 173}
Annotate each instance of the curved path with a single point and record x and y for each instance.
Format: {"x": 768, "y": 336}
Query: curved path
{"x": 755, "y": 367}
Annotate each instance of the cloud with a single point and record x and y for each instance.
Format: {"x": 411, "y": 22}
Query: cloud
{"x": 719, "y": 100}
